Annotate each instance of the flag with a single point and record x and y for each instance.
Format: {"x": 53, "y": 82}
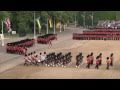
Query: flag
{"x": 38, "y": 22}
{"x": 83, "y": 16}
{"x": 58, "y": 25}
{"x": 50, "y": 22}
{"x": 91, "y": 16}
{"x": 8, "y": 24}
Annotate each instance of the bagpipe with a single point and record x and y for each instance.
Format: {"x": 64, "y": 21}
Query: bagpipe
{"x": 59, "y": 59}
{"x": 52, "y": 59}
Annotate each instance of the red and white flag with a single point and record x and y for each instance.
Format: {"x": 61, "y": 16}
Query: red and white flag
{"x": 8, "y": 24}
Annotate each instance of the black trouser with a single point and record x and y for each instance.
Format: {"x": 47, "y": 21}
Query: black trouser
{"x": 97, "y": 66}
{"x": 111, "y": 64}
{"x": 107, "y": 66}
{"x": 77, "y": 64}
{"x": 88, "y": 65}
{"x": 64, "y": 62}
{"x": 91, "y": 62}
{"x": 100, "y": 62}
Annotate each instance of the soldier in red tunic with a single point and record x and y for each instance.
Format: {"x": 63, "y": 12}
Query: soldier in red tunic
{"x": 32, "y": 58}
{"x": 21, "y": 50}
{"x": 97, "y": 62}
{"x": 88, "y": 61}
{"x": 12, "y": 48}
{"x": 100, "y": 58}
{"x": 15, "y": 49}
{"x": 108, "y": 63}
{"x": 111, "y": 59}
{"x": 50, "y": 43}
{"x": 91, "y": 58}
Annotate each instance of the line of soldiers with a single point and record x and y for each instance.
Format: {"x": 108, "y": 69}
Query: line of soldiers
{"x": 50, "y": 59}
{"x": 59, "y": 59}
{"x": 95, "y": 37}
{"x": 31, "y": 58}
{"x": 90, "y": 60}
{"x": 46, "y": 39}
{"x": 16, "y": 49}
{"x": 19, "y": 47}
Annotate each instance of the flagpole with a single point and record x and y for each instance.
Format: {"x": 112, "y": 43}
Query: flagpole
{"x": 39, "y": 30}
{"x": 92, "y": 19}
{"x": 54, "y": 25}
{"x": 2, "y": 37}
{"x": 75, "y": 20}
{"x": 84, "y": 18}
{"x": 60, "y": 24}
{"x": 34, "y": 27}
{"x": 47, "y": 26}
{"x": 40, "y": 26}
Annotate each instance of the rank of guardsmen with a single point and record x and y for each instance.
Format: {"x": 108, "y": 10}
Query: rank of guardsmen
{"x": 64, "y": 60}
{"x": 19, "y": 47}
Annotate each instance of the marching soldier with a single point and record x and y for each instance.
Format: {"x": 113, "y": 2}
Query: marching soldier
{"x": 88, "y": 62}
{"x": 97, "y": 62}
{"x": 100, "y": 59}
{"x": 27, "y": 60}
{"x": 43, "y": 57}
{"x": 32, "y": 58}
{"x": 111, "y": 59}
{"x": 76, "y": 61}
{"x": 91, "y": 58}
{"x": 50, "y": 43}
{"x": 108, "y": 63}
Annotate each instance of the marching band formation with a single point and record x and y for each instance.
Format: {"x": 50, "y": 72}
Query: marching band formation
{"x": 60, "y": 59}
{"x": 51, "y": 59}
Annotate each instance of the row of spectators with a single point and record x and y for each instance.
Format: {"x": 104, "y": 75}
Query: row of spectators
{"x": 109, "y": 24}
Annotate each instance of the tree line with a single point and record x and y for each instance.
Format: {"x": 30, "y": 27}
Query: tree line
{"x": 23, "y": 21}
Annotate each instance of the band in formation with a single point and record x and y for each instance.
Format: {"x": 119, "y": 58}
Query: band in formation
{"x": 60, "y": 59}
{"x": 51, "y": 59}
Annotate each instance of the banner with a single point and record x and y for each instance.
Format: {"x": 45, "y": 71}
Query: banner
{"x": 58, "y": 25}
{"x": 8, "y": 24}
{"x": 38, "y": 22}
{"x": 50, "y": 22}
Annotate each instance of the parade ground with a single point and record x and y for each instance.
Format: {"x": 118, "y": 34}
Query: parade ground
{"x": 11, "y": 65}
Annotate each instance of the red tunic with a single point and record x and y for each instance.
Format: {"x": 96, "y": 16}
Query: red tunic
{"x": 111, "y": 59}
{"x": 97, "y": 62}
{"x": 88, "y": 61}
